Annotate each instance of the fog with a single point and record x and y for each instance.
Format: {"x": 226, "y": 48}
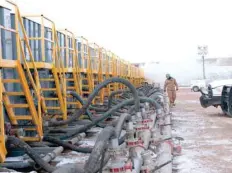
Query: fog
{"x": 186, "y": 71}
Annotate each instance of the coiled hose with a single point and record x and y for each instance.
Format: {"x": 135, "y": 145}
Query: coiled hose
{"x": 93, "y": 94}
{"x": 76, "y": 96}
{"x": 114, "y": 93}
{"x": 110, "y": 99}
{"x": 84, "y": 128}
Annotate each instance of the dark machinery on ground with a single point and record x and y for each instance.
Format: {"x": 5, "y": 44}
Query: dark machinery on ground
{"x": 208, "y": 98}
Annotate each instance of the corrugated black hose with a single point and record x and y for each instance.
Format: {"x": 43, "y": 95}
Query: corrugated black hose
{"x": 30, "y": 152}
{"x": 84, "y": 128}
{"x": 92, "y": 96}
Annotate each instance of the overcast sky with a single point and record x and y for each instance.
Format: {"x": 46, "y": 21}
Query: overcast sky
{"x": 144, "y": 30}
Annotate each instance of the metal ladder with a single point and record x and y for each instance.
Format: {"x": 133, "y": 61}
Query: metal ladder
{"x": 29, "y": 84}
{"x": 87, "y": 74}
{"x": 53, "y": 81}
{"x": 72, "y": 72}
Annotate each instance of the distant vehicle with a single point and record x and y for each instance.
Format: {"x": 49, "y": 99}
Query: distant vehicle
{"x": 196, "y": 85}
{"x": 211, "y": 96}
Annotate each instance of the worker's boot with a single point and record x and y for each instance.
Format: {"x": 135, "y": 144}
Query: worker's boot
{"x": 171, "y": 105}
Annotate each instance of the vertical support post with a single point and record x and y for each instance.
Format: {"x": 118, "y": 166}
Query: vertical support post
{"x": 17, "y": 35}
{"x": 42, "y": 39}
{"x": 203, "y": 65}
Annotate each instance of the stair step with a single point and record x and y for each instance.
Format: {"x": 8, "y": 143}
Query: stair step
{"x": 70, "y": 79}
{"x": 23, "y": 117}
{"x": 14, "y": 93}
{"x": 48, "y": 89}
{"x": 69, "y": 96}
{"x": 11, "y": 81}
{"x": 71, "y": 88}
{"x": 46, "y": 79}
{"x": 18, "y": 105}
{"x": 53, "y": 108}
{"x": 54, "y": 113}
{"x": 47, "y": 98}
{"x": 85, "y": 92}
{"x": 72, "y": 103}
{"x": 30, "y": 129}
{"x": 85, "y": 85}
{"x": 30, "y": 139}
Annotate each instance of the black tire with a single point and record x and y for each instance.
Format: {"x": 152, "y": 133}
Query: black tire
{"x": 195, "y": 89}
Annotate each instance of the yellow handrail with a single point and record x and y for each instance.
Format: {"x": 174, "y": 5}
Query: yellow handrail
{"x": 35, "y": 84}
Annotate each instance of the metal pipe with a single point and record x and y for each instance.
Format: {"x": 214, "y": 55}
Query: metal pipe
{"x": 77, "y": 139}
{"x": 50, "y": 156}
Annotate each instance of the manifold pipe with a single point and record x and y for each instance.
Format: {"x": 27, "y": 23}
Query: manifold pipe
{"x": 84, "y": 128}
{"x": 136, "y": 158}
{"x": 164, "y": 156}
{"x": 99, "y": 149}
{"x": 50, "y": 156}
{"x": 77, "y": 139}
{"x": 33, "y": 155}
{"x": 92, "y": 96}
{"x": 136, "y": 152}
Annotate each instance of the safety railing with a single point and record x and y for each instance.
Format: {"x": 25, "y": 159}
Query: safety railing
{"x": 96, "y": 58}
{"x": 50, "y": 53}
{"x": 34, "y": 79}
{"x": 2, "y": 129}
{"x": 87, "y": 65}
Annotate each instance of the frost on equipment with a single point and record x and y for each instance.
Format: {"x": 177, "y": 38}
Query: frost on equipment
{"x": 63, "y": 98}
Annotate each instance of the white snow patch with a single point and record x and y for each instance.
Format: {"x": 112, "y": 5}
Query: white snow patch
{"x": 187, "y": 163}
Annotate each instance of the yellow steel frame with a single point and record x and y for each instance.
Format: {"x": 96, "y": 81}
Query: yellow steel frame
{"x": 107, "y": 73}
{"x": 35, "y": 114}
{"x": 87, "y": 59}
{"x": 114, "y": 70}
{"x": 74, "y": 69}
{"x": 3, "y": 150}
{"x": 56, "y": 67}
{"x": 97, "y": 67}
{"x": 108, "y": 65}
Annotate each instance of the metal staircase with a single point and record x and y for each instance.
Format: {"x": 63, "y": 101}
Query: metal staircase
{"x": 87, "y": 81}
{"x": 20, "y": 87}
{"x": 50, "y": 66}
{"x": 72, "y": 74}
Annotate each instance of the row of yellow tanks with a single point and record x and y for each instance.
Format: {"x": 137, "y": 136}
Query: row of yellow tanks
{"x": 40, "y": 65}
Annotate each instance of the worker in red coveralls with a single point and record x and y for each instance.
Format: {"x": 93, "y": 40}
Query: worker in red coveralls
{"x": 171, "y": 87}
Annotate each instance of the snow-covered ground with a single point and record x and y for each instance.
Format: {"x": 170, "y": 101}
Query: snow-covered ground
{"x": 207, "y": 133}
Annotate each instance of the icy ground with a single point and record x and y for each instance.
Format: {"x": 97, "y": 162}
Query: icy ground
{"x": 207, "y": 133}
